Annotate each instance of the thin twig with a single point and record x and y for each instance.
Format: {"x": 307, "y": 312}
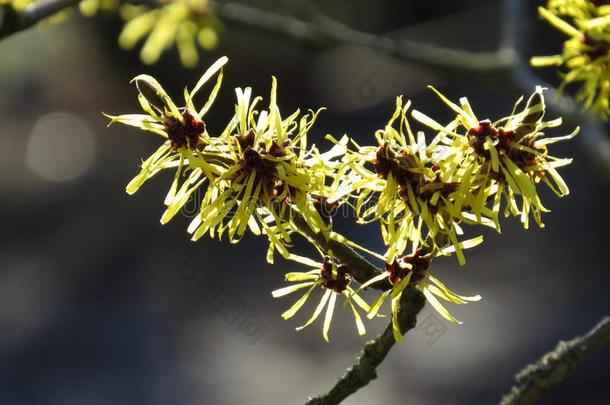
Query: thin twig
{"x": 13, "y": 21}
{"x": 557, "y": 365}
{"x": 374, "y": 352}
{"x": 359, "y": 267}
{"x": 326, "y": 32}
{"x": 507, "y": 62}
{"x": 511, "y": 30}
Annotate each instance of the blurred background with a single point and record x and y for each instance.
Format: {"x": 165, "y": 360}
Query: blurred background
{"x": 100, "y": 304}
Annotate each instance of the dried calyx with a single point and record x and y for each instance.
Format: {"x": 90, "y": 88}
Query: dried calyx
{"x": 253, "y": 157}
{"x": 502, "y": 140}
{"x": 596, "y": 47}
{"x": 417, "y": 263}
{"x": 478, "y": 136}
{"x": 409, "y": 175}
{"x": 337, "y": 280}
{"x": 185, "y": 132}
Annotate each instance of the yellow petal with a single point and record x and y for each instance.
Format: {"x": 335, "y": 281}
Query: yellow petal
{"x": 216, "y": 66}
{"x": 318, "y": 310}
{"x": 438, "y": 306}
{"x": 290, "y": 289}
{"x": 329, "y": 315}
{"x": 297, "y": 305}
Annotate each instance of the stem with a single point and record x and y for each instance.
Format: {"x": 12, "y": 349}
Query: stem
{"x": 326, "y": 32}
{"x": 13, "y": 21}
{"x": 374, "y": 352}
{"x": 557, "y": 365}
{"x": 507, "y": 63}
{"x": 359, "y": 267}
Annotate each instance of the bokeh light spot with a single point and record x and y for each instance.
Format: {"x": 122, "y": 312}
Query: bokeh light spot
{"x": 61, "y": 147}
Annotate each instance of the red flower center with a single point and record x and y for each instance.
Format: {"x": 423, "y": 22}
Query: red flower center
{"x": 596, "y": 47}
{"x": 398, "y": 270}
{"x": 185, "y": 132}
{"x": 338, "y": 284}
{"x": 486, "y": 130}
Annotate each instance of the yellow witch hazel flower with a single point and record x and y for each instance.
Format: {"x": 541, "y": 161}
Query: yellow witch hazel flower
{"x": 586, "y": 54}
{"x": 268, "y": 177}
{"x": 255, "y": 175}
{"x": 508, "y": 157}
{"x": 260, "y": 174}
{"x": 400, "y": 183}
{"x": 184, "y": 134}
{"x": 582, "y": 9}
{"x": 331, "y": 278}
{"x": 183, "y": 23}
{"x": 412, "y": 271}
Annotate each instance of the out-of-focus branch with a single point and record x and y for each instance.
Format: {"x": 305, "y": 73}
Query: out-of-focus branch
{"x": 557, "y": 365}
{"x": 511, "y": 30}
{"x": 507, "y": 62}
{"x": 320, "y": 30}
{"x": 364, "y": 369}
{"x": 323, "y": 31}
{"x": 13, "y": 21}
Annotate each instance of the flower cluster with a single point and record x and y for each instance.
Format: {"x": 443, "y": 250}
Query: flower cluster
{"x": 182, "y": 23}
{"x": 422, "y": 192}
{"x": 501, "y": 160}
{"x": 402, "y": 184}
{"x": 408, "y": 271}
{"x": 260, "y": 174}
{"x": 268, "y": 175}
{"x": 254, "y": 175}
{"x": 586, "y": 52}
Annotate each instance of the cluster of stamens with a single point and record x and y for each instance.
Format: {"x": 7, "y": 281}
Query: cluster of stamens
{"x": 388, "y": 162}
{"x": 500, "y": 137}
{"x": 337, "y": 282}
{"x": 595, "y": 47}
{"x": 502, "y": 140}
{"x": 398, "y": 269}
{"x": 185, "y": 132}
{"x": 253, "y": 158}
